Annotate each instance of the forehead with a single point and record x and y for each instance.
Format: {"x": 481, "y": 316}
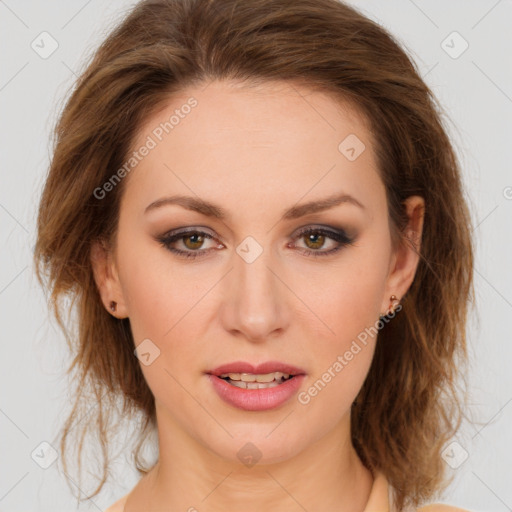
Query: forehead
{"x": 257, "y": 109}
{"x": 277, "y": 138}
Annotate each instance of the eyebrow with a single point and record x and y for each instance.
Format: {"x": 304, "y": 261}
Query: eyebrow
{"x": 211, "y": 210}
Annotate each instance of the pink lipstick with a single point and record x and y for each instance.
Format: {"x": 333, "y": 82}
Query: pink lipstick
{"x": 256, "y": 387}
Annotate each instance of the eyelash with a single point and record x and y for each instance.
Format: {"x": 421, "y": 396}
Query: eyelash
{"x": 339, "y": 237}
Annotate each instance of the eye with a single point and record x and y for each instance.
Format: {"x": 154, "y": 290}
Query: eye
{"x": 192, "y": 240}
{"x": 316, "y": 238}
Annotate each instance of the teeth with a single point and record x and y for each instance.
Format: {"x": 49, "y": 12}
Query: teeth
{"x": 252, "y": 378}
{"x": 253, "y": 385}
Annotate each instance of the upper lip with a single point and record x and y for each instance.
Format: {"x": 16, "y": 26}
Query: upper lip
{"x": 263, "y": 368}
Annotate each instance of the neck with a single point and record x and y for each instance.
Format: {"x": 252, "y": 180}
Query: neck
{"x": 327, "y": 475}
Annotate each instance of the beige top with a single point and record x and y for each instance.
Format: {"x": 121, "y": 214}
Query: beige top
{"x": 380, "y": 500}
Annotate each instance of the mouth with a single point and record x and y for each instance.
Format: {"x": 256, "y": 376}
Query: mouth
{"x": 249, "y": 387}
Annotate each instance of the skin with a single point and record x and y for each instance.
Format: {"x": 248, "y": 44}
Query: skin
{"x": 255, "y": 151}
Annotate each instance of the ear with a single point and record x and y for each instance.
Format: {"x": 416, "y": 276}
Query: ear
{"x": 107, "y": 278}
{"x": 405, "y": 258}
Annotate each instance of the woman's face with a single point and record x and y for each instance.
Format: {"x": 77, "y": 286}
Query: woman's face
{"x": 259, "y": 276}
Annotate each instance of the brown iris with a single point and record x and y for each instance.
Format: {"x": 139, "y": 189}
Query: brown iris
{"x": 317, "y": 240}
{"x": 197, "y": 242}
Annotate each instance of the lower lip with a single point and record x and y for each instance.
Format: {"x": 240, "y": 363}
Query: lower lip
{"x": 256, "y": 399}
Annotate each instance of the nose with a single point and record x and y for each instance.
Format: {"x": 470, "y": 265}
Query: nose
{"x": 256, "y": 299}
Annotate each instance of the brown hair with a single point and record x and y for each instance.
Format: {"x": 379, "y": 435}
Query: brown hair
{"x": 408, "y": 406}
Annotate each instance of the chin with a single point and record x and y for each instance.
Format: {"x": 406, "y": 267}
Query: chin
{"x": 252, "y": 446}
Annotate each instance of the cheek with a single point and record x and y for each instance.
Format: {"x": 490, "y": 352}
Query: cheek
{"x": 345, "y": 297}
{"x": 344, "y": 343}
{"x": 347, "y": 302}
{"x": 163, "y": 309}
{"x": 165, "y": 305}
{"x": 156, "y": 292}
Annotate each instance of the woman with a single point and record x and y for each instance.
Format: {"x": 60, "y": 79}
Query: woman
{"x": 261, "y": 218}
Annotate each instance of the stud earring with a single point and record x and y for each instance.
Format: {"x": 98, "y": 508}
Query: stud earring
{"x": 394, "y": 301}
{"x": 113, "y": 306}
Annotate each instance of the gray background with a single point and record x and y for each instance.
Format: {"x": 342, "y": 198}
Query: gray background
{"x": 474, "y": 87}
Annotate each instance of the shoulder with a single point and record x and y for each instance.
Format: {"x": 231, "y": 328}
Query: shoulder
{"x": 118, "y": 506}
{"x": 439, "y": 507}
